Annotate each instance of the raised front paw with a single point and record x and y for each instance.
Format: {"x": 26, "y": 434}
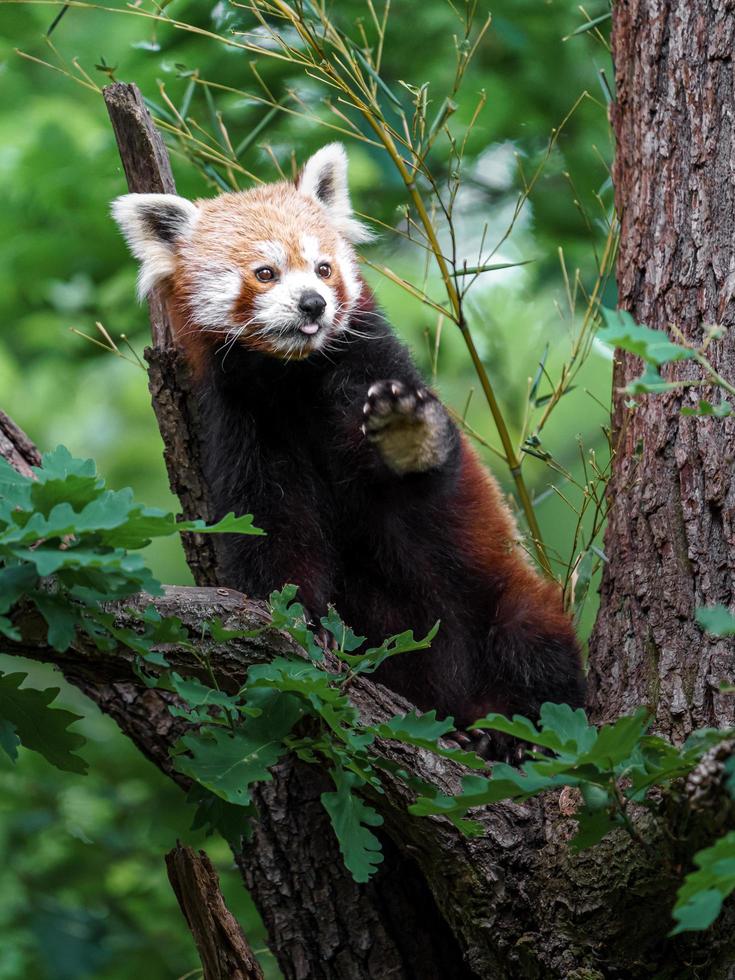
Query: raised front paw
{"x": 391, "y": 402}
{"x": 408, "y": 425}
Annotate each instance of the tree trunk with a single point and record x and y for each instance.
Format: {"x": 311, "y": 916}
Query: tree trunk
{"x": 671, "y": 533}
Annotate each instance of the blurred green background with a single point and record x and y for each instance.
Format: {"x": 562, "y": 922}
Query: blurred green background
{"x": 84, "y": 892}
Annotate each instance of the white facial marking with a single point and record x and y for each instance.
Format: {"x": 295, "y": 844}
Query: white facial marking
{"x": 310, "y": 249}
{"x": 213, "y": 296}
{"x": 273, "y": 253}
{"x": 279, "y": 319}
{"x": 348, "y": 268}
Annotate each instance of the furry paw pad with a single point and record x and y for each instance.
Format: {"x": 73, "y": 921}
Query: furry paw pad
{"x": 408, "y": 426}
{"x": 393, "y": 403}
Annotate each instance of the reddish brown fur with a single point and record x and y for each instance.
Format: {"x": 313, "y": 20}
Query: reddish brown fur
{"x": 489, "y": 537}
{"x": 226, "y": 234}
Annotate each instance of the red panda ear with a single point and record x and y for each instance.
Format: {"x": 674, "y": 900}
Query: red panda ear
{"x": 324, "y": 178}
{"x": 152, "y": 225}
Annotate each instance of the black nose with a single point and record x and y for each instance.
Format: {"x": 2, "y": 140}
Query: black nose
{"x": 312, "y": 304}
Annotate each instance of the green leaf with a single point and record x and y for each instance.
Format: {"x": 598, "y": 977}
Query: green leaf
{"x": 15, "y": 581}
{"x": 722, "y": 411}
{"x": 14, "y": 486}
{"x": 729, "y": 768}
{"x": 716, "y": 620}
{"x": 63, "y": 479}
{"x": 347, "y": 641}
{"x": 290, "y": 616}
{"x": 569, "y": 725}
{"x": 232, "y": 822}
{"x": 592, "y": 827}
{"x": 61, "y": 616}
{"x": 369, "y": 661}
{"x": 58, "y": 464}
{"x": 589, "y": 25}
{"x": 198, "y": 695}
{"x": 506, "y": 783}
{"x": 228, "y": 763}
{"x": 615, "y": 742}
{"x": 699, "y": 900}
{"x": 7, "y": 629}
{"x": 323, "y": 697}
{"x": 39, "y": 727}
{"x": 698, "y": 912}
{"x": 519, "y": 727}
{"x": 653, "y": 346}
{"x": 222, "y": 635}
{"x": 424, "y": 731}
{"x": 351, "y": 817}
{"x": 9, "y": 740}
{"x": 650, "y": 383}
{"x": 228, "y": 525}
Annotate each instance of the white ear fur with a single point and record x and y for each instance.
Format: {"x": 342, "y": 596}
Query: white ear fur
{"x": 151, "y": 224}
{"x": 324, "y": 178}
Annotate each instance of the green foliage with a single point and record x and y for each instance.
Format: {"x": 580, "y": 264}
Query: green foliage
{"x": 425, "y": 731}
{"x": 28, "y": 720}
{"x": 66, "y": 545}
{"x": 655, "y": 348}
{"x": 228, "y": 762}
{"x": 621, "y": 330}
{"x": 722, "y": 411}
{"x": 612, "y": 767}
{"x": 351, "y": 817}
{"x": 700, "y": 898}
{"x": 53, "y": 135}
{"x": 298, "y": 703}
{"x": 83, "y": 885}
{"x": 716, "y": 620}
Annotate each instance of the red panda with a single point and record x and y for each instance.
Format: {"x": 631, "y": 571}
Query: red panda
{"x": 316, "y": 420}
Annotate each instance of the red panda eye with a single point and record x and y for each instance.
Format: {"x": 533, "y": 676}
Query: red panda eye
{"x": 324, "y": 270}
{"x": 265, "y": 274}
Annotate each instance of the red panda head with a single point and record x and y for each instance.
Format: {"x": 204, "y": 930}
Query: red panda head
{"x": 272, "y": 268}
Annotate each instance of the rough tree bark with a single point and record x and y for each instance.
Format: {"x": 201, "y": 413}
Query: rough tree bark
{"x": 223, "y": 949}
{"x": 516, "y": 903}
{"x": 671, "y": 533}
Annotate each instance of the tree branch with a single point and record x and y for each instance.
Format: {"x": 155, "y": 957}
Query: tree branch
{"x": 223, "y": 948}
{"x": 513, "y": 895}
{"x": 148, "y": 171}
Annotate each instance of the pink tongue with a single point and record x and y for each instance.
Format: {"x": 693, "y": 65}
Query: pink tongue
{"x": 309, "y": 328}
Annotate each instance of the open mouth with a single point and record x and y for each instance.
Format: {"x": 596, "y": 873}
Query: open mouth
{"x": 309, "y": 328}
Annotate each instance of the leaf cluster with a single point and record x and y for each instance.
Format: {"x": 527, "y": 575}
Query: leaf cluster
{"x": 300, "y": 704}
{"x": 655, "y": 348}
{"x": 67, "y": 545}
{"x": 613, "y": 768}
